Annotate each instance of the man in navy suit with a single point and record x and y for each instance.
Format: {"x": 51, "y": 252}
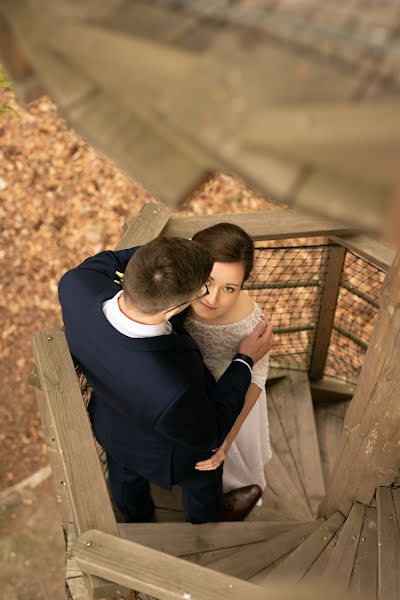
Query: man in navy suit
{"x": 155, "y": 409}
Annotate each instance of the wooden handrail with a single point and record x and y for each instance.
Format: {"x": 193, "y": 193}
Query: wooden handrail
{"x": 262, "y": 225}
{"x": 170, "y": 578}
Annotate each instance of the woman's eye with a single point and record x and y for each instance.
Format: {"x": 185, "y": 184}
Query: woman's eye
{"x": 229, "y": 290}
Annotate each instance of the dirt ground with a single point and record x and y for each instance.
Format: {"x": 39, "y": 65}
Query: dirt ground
{"x": 60, "y": 202}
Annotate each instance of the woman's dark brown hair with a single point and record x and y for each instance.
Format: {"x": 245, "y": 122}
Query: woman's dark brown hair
{"x": 228, "y": 243}
{"x": 164, "y": 273}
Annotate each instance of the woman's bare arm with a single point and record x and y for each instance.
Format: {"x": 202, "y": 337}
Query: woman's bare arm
{"x": 218, "y": 457}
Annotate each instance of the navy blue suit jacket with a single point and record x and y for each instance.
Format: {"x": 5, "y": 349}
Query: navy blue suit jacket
{"x": 155, "y": 405}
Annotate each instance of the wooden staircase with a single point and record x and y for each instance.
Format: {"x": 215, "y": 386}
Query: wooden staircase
{"x": 283, "y": 539}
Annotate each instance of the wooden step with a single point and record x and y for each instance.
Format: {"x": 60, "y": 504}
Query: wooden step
{"x": 295, "y": 567}
{"x": 281, "y": 446}
{"x": 293, "y": 403}
{"x": 247, "y": 561}
{"x": 340, "y": 565}
{"x": 329, "y": 418}
{"x": 388, "y": 543}
{"x": 280, "y": 494}
{"x": 185, "y": 539}
{"x": 365, "y": 571}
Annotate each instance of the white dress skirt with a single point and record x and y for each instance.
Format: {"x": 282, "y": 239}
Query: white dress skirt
{"x": 251, "y": 449}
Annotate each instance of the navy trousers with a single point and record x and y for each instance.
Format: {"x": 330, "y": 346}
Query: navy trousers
{"x": 202, "y": 494}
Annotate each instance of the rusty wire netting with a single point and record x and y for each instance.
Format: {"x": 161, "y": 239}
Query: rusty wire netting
{"x": 356, "y": 311}
{"x": 288, "y": 281}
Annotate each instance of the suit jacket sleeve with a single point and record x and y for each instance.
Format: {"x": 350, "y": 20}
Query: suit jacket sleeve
{"x": 202, "y": 419}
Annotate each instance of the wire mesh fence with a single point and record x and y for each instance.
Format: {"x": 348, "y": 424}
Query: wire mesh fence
{"x": 288, "y": 282}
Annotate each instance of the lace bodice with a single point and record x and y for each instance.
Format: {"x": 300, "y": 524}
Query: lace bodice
{"x": 219, "y": 343}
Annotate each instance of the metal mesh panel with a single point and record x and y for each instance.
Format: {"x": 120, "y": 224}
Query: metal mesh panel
{"x": 355, "y": 315}
{"x": 287, "y": 283}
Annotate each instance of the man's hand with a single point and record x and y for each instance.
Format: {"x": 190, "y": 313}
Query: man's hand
{"x": 259, "y": 342}
{"x": 214, "y": 462}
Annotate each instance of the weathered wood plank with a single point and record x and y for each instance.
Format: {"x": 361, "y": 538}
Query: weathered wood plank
{"x": 329, "y": 388}
{"x": 57, "y": 468}
{"x": 302, "y": 435}
{"x": 374, "y": 251}
{"x": 365, "y": 573}
{"x": 299, "y": 562}
{"x": 291, "y": 501}
{"x": 155, "y": 573}
{"x": 74, "y": 441}
{"x": 327, "y": 311}
{"x": 169, "y": 578}
{"x": 329, "y": 418}
{"x": 250, "y": 560}
{"x": 388, "y": 546}
{"x": 340, "y": 565}
{"x": 317, "y": 123}
{"x": 261, "y": 225}
{"x": 182, "y": 539}
{"x": 148, "y": 225}
{"x": 317, "y": 569}
{"x": 368, "y": 454}
{"x": 280, "y": 445}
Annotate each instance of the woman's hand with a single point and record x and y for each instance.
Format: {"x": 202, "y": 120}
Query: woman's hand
{"x": 215, "y": 461}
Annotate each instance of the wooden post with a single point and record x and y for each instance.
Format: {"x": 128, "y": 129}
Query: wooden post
{"x": 369, "y": 455}
{"x": 327, "y": 311}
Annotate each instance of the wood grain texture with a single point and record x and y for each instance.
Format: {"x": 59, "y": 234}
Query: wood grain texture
{"x": 261, "y": 225}
{"x": 300, "y": 561}
{"x": 365, "y": 572}
{"x": 169, "y": 578}
{"x": 74, "y": 442}
{"x": 182, "y": 539}
{"x": 388, "y": 546}
{"x": 250, "y": 560}
{"x": 327, "y": 311}
{"x": 368, "y": 453}
{"x": 281, "y": 446}
{"x": 340, "y": 565}
{"x": 374, "y": 251}
{"x": 148, "y": 225}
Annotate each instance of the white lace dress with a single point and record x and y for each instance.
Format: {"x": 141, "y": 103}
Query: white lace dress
{"x": 244, "y": 464}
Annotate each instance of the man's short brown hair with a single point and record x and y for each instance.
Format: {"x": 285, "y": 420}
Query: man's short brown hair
{"x": 164, "y": 273}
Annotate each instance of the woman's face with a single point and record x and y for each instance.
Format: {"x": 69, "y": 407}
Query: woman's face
{"x": 224, "y": 284}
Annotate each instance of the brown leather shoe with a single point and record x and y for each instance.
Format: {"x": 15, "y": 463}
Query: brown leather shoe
{"x": 238, "y": 503}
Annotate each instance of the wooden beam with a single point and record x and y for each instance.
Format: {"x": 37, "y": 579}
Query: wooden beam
{"x": 149, "y": 223}
{"x": 169, "y": 578}
{"x": 314, "y": 124}
{"x": 72, "y": 436}
{"x": 327, "y": 311}
{"x": 262, "y": 225}
{"x": 368, "y": 456}
{"x": 374, "y": 251}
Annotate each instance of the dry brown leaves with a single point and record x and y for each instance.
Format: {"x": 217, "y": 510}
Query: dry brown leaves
{"x": 60, "y": 202}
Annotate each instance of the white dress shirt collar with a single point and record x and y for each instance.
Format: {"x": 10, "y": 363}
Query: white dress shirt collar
{"x": 128, "y": 327}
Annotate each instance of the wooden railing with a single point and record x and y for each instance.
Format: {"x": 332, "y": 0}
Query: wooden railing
{"x": 115, "y": 566}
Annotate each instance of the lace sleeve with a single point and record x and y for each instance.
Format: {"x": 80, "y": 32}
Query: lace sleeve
{"x": 260, "y": 372}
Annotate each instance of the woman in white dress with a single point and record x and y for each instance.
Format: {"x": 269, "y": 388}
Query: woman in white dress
{"x": 218, "y": 322}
